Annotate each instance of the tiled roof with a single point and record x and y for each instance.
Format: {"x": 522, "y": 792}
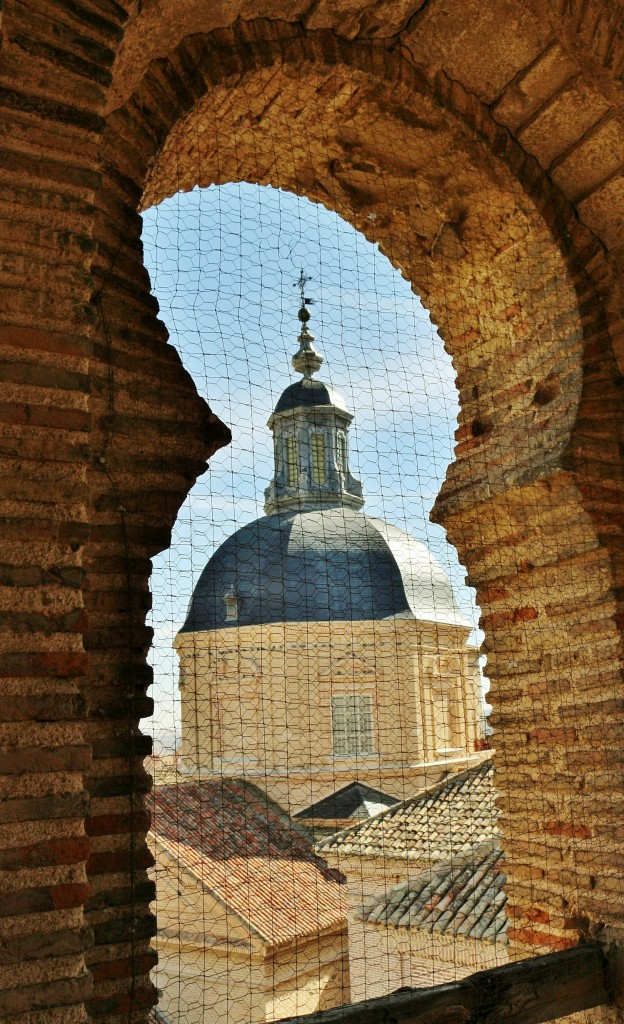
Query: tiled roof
{"x": 353, "y": 801}
{"x": 435, "y": 824}
{"x": 239, "y": 845}
{"x": 460, "y": 897}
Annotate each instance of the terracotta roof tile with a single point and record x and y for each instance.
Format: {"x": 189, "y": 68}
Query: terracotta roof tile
{"x": 463, "y": 896}
{"x": 435, "y": 824}
{"x": 238, "y": 844}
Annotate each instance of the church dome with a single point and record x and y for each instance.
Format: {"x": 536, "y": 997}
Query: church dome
{"x": 324, "y": 565}
{"x": 309, "y": 392}
{"x": 315, "y": 557}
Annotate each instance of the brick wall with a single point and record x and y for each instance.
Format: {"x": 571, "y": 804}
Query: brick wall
{"x": 502, "y": 123}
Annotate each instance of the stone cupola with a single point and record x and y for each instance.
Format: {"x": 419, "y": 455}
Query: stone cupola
{"x": 310, "y": 426}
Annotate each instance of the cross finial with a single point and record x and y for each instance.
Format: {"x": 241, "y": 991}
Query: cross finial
{"x": 301, "y": 283}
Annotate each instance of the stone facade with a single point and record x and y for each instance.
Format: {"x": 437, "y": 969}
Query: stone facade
{"x": 384, "y": 960}
{"x": 438, "y": 925}
{"x": 481, "y": 146}
{"x": 256, "y": 701}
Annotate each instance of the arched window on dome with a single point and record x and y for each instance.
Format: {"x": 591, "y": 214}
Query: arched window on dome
{"x": 231, "y": 605}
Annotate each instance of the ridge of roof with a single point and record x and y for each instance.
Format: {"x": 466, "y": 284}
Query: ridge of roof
{"x": 241, "y": 847}
{"x": 463, "y": 896}
{"x": 436, "y": 823}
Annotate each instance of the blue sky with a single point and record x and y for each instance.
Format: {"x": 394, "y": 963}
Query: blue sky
{"x": 223, "y": 262}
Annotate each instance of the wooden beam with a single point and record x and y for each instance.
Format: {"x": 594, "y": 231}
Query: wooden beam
{"x": 530, "y": 991}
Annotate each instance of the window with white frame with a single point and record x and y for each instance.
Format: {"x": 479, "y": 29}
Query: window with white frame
{"x": 292, "y": 468}
{"x": 342, "y": 453}
{"x": 352, "y": 724}
{"x": 318, "y": 459}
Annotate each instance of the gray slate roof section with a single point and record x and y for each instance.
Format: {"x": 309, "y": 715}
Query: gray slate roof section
{"x": 309, "y": 392}
{"x": 156, "y": 1016}
{"x": 462, "y": 897}
{"x": 434, "y": 825}
{"x": 352, "y": 801}
{"x": 334, "y": 564}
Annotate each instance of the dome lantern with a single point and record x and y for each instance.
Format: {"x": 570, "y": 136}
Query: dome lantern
{"x": 310, "y": 426}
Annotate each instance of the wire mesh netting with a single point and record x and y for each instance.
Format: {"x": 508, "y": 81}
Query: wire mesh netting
{"x": 324, "y": 823}
{"x": 325, "y": 806}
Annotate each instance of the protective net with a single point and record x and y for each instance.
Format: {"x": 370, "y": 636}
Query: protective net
{"x": 315, "y": 656}
{"x": 324, "y": 817}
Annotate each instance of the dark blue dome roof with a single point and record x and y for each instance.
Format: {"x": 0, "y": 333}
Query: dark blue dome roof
{"x": 321, "y": 566}
{"x": 308, "y": 392}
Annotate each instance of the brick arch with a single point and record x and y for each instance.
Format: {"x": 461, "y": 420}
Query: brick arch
{"x": 526, "y": 520}
{"x": 62, "y": 74}
{"x": 593, "y": 31}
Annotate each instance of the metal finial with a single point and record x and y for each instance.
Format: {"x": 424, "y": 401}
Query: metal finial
{"x": 300, "y": 283}
{"x": 306, "y": 360}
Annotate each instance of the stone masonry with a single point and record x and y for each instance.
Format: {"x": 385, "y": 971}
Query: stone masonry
{"x": 481, "y": 145}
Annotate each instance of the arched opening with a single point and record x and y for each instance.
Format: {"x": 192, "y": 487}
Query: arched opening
{"x": 104, "y": 435}
{"x": 313, "y": 706}
{"x": 403, "y": 168}
{"x": 235, "y": 327}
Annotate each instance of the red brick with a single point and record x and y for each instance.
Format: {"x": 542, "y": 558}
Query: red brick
{"x": 124, "y": 968}
{"x": 116, "y": 861}
{"x": 553, "y": 737}
{"x": 568, "y": 828}
{"x": 64, "y": 896}
{"x": 57, "y": 664}
{"x": 124, "y": 1003}
{"x": 492, "y": 594}
{"x": 15, "y": 761}
{"x": 512, "y": 617}
{"x": 28, "y": 901}
{"x": 44, "y": 854}
{"x": 36, "y": 339}
{"x": 543, "y": 940}
{"x": 43, "y": 707}
{"x": 37, "y": 944}
{"x": 48, "y": 807}
{"x": 44, "y": 416}
{"x": 535, "y": 914}
{"x": 117, "y": 824}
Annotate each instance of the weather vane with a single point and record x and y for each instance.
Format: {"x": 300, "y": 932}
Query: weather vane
{"x": 301, "y": 283}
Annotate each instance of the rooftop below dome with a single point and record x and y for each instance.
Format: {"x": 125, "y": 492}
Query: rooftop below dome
{"x": 355, "y": 801}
